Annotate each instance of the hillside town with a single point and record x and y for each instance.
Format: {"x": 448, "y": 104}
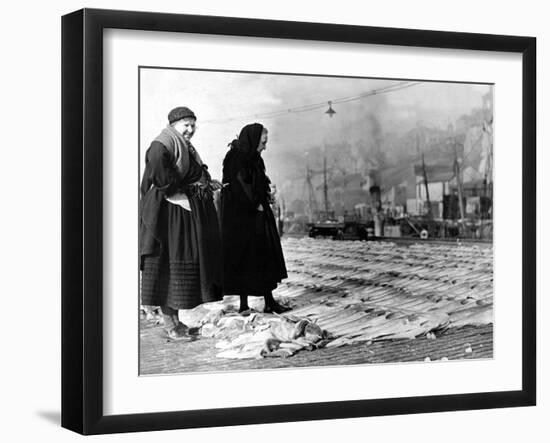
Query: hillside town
{"x": 431, "y": 179}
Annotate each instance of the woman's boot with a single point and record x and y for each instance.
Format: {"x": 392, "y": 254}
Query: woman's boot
{"x": 272, "y": 307}
{"x": 175, "y": 329}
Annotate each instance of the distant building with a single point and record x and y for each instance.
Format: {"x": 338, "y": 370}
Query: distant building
{"x": 439, "y": 177}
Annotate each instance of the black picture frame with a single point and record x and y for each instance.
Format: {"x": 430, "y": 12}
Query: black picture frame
{"x": 82, "y": 218}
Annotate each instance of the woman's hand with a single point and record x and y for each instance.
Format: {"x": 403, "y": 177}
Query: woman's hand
{"x": 215, "y": 185}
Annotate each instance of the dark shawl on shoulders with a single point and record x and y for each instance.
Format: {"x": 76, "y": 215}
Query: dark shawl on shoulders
{"x": 244, "y": 164}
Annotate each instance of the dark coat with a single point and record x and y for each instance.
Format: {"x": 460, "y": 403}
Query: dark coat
{"x": 176, "y": 238}
{"x": 253, "y": 258}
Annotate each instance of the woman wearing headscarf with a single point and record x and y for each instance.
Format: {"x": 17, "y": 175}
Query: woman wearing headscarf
{"x": 253, "y": 259}
{"x": 179, "y": 239}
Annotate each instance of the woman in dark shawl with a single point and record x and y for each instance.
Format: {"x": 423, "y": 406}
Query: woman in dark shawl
{"x": 253, "y": 259}
{"x": 179, "y": 238}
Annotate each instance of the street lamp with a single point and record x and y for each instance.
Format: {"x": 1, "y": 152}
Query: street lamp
{"x": 330, "y": 111}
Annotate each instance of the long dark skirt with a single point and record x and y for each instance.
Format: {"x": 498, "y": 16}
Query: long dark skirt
{"x": 253, "y": 261}
{"x": 185, "y": 271}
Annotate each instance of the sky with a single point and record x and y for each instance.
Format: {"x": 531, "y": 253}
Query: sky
{"x": 226, "y": 101}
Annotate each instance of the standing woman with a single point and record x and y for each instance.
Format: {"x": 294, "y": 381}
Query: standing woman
{"x": 253, "y": 259}
{"x": 180, "y": 245}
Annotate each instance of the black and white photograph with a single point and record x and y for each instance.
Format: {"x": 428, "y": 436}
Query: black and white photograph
{"x": 275, "y": 221}
{"x": 299, "y": 221}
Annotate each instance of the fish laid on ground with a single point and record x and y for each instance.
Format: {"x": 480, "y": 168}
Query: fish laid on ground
{"x": 264, "y": 335}
{"x": 350, "y": 292}
{"x": 474, "y": 316}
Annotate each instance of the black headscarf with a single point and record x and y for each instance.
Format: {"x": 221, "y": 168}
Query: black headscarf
{"x": 244, "y": 157}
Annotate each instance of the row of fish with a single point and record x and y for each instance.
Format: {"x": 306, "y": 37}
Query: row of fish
{"x": 362, "y": 291}
{"x": 349, "y": 292}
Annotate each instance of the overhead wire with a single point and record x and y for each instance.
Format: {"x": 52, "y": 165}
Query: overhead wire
{"x": 319, "y": 105}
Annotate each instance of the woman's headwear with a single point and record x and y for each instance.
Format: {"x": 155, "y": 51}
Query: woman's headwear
{"x": 180, "y": 112}
{"x": 244, "y": 156}
{"x": 249, "y": 138}
{"x": 244, "y": 149}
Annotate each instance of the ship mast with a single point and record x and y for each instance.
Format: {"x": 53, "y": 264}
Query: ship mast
{"x": 312, "y": 206}
{"x": 325, "y": 187}
{"x": 425, "y": 176}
